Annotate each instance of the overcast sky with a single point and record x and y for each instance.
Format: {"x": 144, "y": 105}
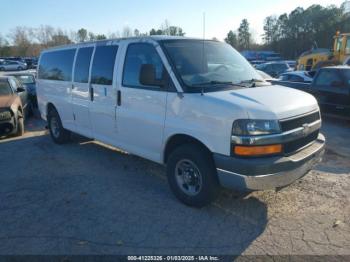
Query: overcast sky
{"x": 108, "y": 16}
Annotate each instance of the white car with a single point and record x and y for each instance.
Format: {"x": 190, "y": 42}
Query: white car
{"x": 296, "y": 76}
{"x": 9, "y": 65}
{"x": 196, "y": 106}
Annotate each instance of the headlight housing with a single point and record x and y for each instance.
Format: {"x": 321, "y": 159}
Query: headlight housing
{"x": 251, "y": 127}
{"x": 5, "y": 114}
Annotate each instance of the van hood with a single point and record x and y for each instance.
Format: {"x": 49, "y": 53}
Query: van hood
{"x": 6, "y": 101}
{"x": 269, "y": 102}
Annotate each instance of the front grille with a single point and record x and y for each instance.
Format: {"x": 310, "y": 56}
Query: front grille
{"x": 294, "y": 123}
{"x": 295, "y": 145}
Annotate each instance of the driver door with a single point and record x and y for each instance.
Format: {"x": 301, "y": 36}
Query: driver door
{"x": 141, "y": 109}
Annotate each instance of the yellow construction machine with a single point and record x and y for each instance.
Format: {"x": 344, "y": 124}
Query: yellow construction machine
{"x": 320, "y": 57}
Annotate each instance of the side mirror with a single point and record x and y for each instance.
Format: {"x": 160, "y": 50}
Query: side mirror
{"x": 148, "y": 76}
{"x": 336, "y": 83}
{"x": 20, "y": 89}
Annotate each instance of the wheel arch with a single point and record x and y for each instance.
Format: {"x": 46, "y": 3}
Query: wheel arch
{"x": 50, "y": 106}
{"x": 177, "y": 140}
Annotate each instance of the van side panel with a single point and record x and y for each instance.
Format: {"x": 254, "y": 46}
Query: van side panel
{"x": 57, "y": 93}
{"x": 54, "y": 84}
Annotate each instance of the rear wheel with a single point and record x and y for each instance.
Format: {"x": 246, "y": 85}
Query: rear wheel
{"x": 192, "y": 175}
{"x": 58, "y": 134}
{"x": 2, "y": 69}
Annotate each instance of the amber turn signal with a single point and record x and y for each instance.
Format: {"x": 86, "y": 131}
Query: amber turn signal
{"x": 257, "y": 150}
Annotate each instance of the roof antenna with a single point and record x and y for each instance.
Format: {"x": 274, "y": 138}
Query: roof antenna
{"x": 203, "y": 66}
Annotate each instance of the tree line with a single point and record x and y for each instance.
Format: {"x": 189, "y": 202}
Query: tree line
{"x": 293, "y": 33}
{"x": 288, "y": 34}
{"x": 29, "y": 41}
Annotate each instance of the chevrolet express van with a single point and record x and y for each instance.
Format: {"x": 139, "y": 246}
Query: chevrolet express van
{"x": 196, "y": 106}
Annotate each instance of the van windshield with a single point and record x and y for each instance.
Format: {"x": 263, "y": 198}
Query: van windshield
{"x": 207, "y": 63}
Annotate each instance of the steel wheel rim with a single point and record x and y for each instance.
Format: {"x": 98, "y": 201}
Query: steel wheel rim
{"x": 55, "y": 129}
{"x": 188, "y": 177}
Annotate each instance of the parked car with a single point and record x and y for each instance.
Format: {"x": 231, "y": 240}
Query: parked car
{"x": 28, "y": 81}
{"x": 265, "y": 76}
{"x": 14, "y": 106}
{"x": 8, "y": 65}
{"x": 31, "y": 63}
{"x": 196, "y": 106}
{"x": 296, "y": 76}
{"x": 274, "y": 69}
{"x": 291, "y": 63}
{"x": 331, "y": 87}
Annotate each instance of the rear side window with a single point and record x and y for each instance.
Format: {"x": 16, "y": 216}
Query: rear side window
{"x": 82, "y": 65}
{"x": 103, "y": 65}
{"x": 294, "y": 78}
{"x": 57, "y": 65}
{"x": 326, "y": 78}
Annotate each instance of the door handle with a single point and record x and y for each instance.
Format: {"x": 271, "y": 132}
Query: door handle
{"x": 119, "y": 98}
{"x": 91, "y": 93}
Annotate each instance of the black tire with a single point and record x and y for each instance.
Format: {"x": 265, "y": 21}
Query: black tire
{"x": 20, "y": 125}
{"x": 203, "y": 162}
{"x": 58, "y": 134}
{"x": 19, "y": 68}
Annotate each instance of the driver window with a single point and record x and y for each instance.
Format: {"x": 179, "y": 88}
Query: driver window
{"x": 136, "y": 56}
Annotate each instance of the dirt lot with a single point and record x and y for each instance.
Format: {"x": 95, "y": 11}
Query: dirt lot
{"x": 87, "y": 198}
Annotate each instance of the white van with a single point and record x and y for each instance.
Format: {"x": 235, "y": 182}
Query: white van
{"x": 196, "y": 106}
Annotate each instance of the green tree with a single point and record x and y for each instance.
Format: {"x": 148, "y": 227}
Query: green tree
{"x": 82, "y": 35}
{"x": 101, "y": 37}
{"x": 270, "y": 29}
{"x": 244, "y": 36}
{"x": 231, "y": 39}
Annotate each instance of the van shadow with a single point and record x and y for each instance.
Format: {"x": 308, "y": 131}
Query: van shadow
{"x": 333, "y": 162}
{"x": 114, "y": 203}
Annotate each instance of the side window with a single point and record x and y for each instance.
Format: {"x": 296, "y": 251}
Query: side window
{"x": 82, "y": 65}
{"x": 13, "y": 84}
{"x": 103, "y": 65}
{"x": 136, "y": 56}
{"x": 326, "y": 77}
{"x": 285, "y": 77}
{"x": 57, "y": 65}
{"x": 294, "y": 78}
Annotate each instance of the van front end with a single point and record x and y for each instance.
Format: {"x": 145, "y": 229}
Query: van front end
{"x": 268, "y": 161}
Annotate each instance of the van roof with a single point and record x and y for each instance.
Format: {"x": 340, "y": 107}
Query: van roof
{"x": 115, "y": 40}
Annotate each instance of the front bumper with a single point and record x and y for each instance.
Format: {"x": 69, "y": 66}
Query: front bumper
{"x": 268, "y": 172}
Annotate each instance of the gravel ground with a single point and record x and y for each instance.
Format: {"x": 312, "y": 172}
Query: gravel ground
{"x": 88, "y": 198}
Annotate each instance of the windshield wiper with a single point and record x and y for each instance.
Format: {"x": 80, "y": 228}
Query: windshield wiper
{"x": 214, "y": 82}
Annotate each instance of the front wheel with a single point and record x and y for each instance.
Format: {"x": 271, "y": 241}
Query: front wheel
{"x": 58, "y": 134}
{"x": 192, "y": 175}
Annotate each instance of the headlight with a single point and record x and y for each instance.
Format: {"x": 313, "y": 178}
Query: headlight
{"x": 5, "y": 114}
{"x": 248, "y": 127}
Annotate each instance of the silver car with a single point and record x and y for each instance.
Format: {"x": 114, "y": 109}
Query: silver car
{"x": 8, "y": 65}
